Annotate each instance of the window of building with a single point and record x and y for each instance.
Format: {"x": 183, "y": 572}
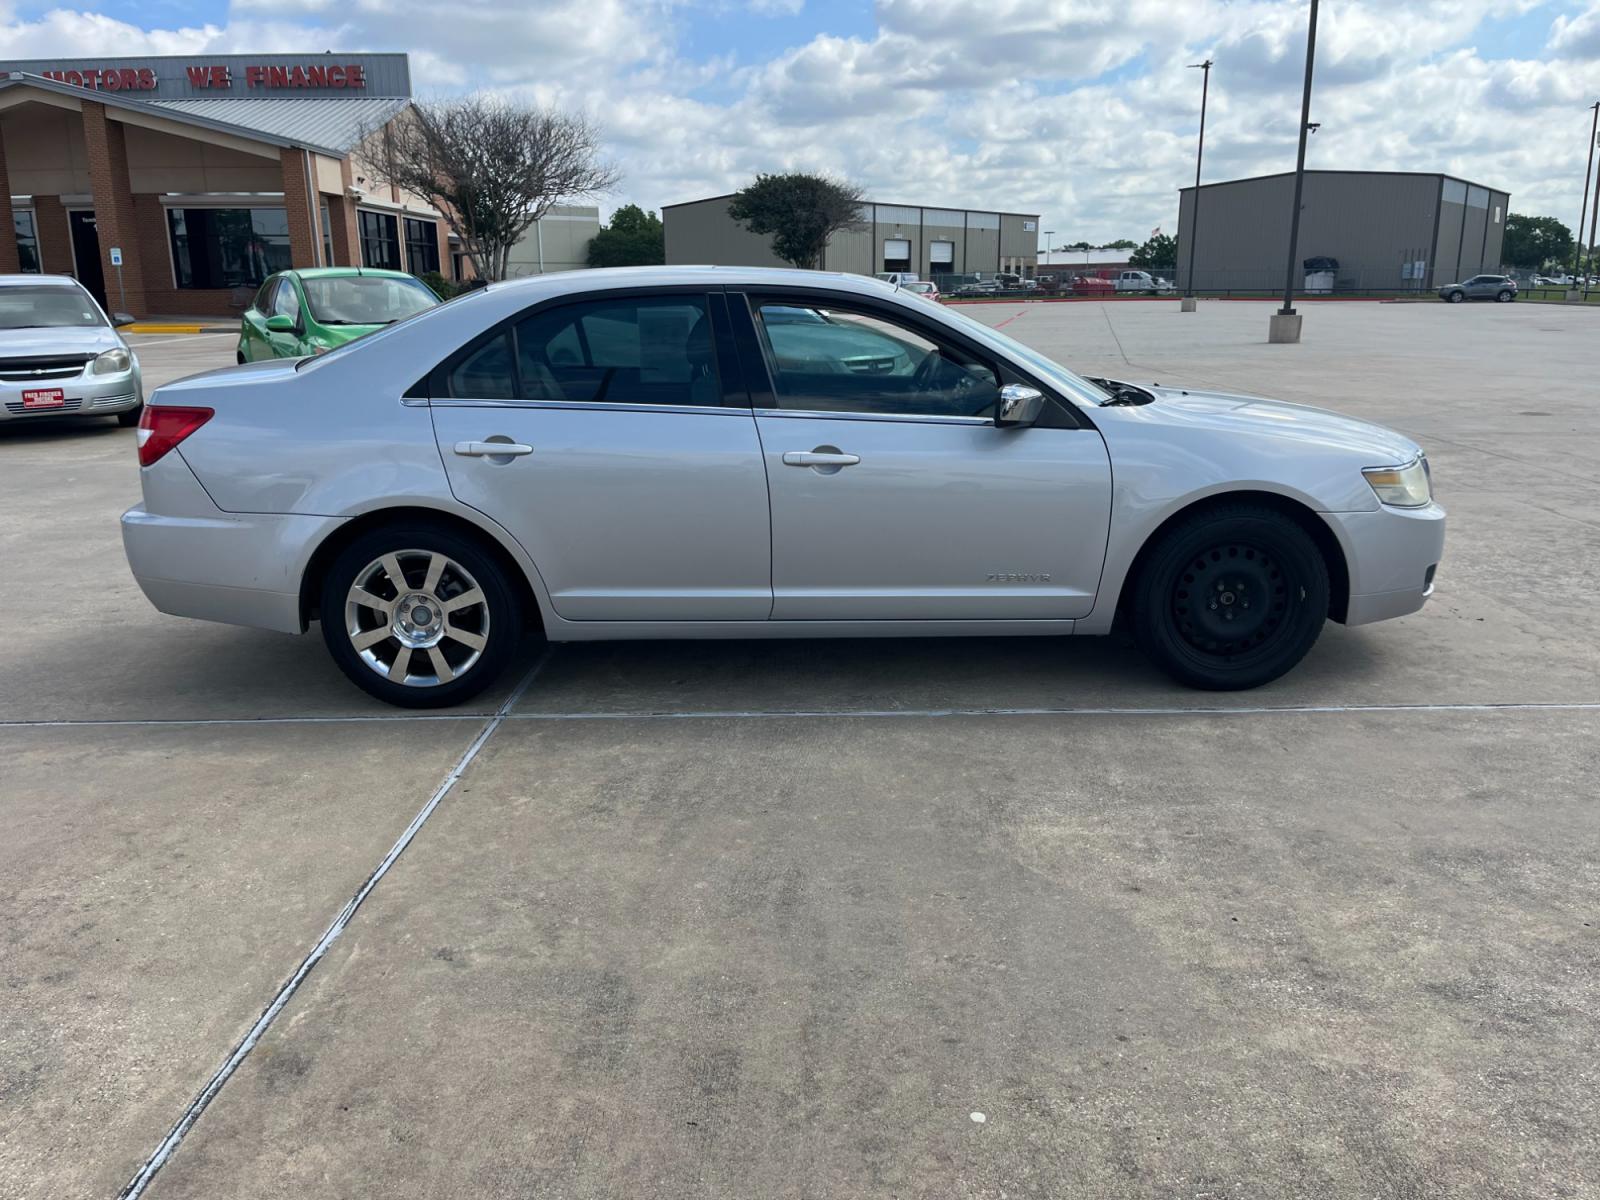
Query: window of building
{"x": 228, "y": 247}
{"x": 837, "y": 360}
{"x": 27, "y": 240}
{"x": 327, "y": 237}
{"x": 380, "y": 240}
{"x": 422, "y": 246}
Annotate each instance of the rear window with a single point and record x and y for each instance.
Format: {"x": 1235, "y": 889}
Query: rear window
{"x": 365, "y": 299}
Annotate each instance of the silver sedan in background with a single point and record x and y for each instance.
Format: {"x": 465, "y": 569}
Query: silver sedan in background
{"x": 735, "y": 453}
{"x": 60, "y": 354}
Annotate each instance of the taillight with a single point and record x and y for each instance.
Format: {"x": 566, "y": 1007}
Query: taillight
{"x": 163, "y": 426}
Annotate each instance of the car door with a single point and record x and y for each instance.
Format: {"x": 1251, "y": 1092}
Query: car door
{"x": 286, "y": 303}
{"x": 894, "y": 494}
{"x": 614, "y": 439}
{"x": 253, "y": 324}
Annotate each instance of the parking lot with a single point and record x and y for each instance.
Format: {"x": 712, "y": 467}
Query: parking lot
{"x": 988, "y": 918}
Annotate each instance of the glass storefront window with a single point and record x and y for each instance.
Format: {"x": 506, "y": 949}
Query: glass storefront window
{"x": 327, "y": 237}
{"x": 380, "y": 241}
{"x": 228, "y": 247}
{"x": 422, "y": 246}
{"x": 27, "y": 240}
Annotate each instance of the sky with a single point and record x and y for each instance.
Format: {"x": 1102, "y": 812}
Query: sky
{"x": 1083, "y": 111}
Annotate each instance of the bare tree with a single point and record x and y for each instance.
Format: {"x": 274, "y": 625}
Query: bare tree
{"x": 490, "y": 166}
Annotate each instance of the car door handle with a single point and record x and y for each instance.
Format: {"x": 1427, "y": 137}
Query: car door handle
{"x": 819, "y": 458}
{"x": 492, "y": 449}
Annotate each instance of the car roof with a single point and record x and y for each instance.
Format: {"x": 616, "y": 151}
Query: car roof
{"x": 345, "y": 272}
{"x": 560, "y": 282}
{"x": 34, "y": 280}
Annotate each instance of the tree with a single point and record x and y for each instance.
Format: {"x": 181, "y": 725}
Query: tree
{"x": 1078, "y": 246}
{"x": 491, "y": 167}
{"x": 633, "y": 239}
{"x": 800, "y": 211}
{"x": 1160, "y": 253}
{"x": 1533, "y": 242}
{"x": 1119, "y": 244}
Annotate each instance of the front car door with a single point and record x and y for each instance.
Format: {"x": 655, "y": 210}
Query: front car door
{"x": 894, "y": 495}
{"x": 286, "y": 303}
{"x": 253, "y": 324}
{"x": 630, "y": 470}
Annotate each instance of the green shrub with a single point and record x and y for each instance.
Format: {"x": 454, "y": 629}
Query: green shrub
{"x": 441, "y": 286}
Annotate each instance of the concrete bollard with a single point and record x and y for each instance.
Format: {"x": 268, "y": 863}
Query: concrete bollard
{"x": 1188, "y": 304}
{"x": 1284, "y": 329}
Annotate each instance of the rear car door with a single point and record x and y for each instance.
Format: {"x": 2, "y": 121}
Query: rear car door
{"x": 894, "y": 495}
{"x": 613, "y": 437}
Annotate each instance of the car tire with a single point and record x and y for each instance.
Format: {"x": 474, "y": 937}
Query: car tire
{"x": 453, "y": 651}
{"x": 1506, "y": 297}
{"x": 130, "y": 418}
{"x": 1231, "y": 597}
{"x": 239, "y": 358}
{"x": 1456, "y": 297}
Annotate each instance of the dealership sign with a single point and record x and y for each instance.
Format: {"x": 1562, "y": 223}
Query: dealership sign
{"x": 230, "y": 75}
{"x": 218, "y": 76}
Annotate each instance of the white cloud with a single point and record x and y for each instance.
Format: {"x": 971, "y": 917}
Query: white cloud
{"x": 1081, "y": 110}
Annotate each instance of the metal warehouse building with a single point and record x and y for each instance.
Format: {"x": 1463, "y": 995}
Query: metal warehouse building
{"x": 888, "y": 237}
{"x": 1388, "y": 230}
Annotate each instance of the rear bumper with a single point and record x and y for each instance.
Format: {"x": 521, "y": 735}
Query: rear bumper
{"x": 1392, "y": 554}
{"x": 191, "y": 559}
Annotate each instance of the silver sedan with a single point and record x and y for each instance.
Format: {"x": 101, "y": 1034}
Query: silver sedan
{"x": 59, "y": 354}
{"x": 716, "y": 453}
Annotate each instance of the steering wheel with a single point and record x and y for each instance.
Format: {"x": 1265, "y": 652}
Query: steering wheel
{"x": 923, "y": 375}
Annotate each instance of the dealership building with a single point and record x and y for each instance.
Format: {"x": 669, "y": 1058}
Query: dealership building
{"x": 1387, "y": 230}
{"x": 176, "y": 185}
{"x": 886, "y": 237}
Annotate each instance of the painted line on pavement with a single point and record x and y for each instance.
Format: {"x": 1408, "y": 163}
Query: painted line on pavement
{"x": 1175, "y": 711}
{"x": 817, "y": 713}
{"x": 135, "y": 1187}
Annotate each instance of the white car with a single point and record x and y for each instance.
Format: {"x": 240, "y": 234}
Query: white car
{"x": 1140, "y": 282}
{"x": 700, "y": 452}
{"x": 60, "y": 354}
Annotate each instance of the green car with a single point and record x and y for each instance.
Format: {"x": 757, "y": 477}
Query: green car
{"x": 296, "y": 313}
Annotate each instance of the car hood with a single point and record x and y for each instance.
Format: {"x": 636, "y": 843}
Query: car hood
{"x": 1296, "y": 425}
{"x": 58, "y": 339}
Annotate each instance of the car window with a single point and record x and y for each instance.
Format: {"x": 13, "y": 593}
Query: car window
{"x": 264, "y": 296}
{"x": 640, "y": 350}
{"x": 47, "y": 306}
{"x": 287, "y": 302}
{"x": 366, "y": 299}
{"x": 858, "y": 361}
{"x": 487, "y": 372}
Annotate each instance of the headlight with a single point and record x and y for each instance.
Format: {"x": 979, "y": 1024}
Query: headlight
{"x": 1409, "y": 486}
{"x": 112, "y": 362}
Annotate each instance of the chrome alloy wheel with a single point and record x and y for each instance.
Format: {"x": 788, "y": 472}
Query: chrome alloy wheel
{"x": 417, "y": 617}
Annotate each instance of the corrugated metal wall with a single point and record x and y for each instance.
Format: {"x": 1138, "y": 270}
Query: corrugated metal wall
{"x": 1373, "y": 223}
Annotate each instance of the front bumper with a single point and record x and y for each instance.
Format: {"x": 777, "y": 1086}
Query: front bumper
{"x": 1392, "y": 554}
{"x": 82, "y": 395}
{"x": 191, "y": 559}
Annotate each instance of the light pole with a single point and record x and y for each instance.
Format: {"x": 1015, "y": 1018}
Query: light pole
{"x": 1194, "y": 209}
{"x": 1285, "y": 323}
{"x": 1048, "y": 234}
{"x": 1577, "y": 254}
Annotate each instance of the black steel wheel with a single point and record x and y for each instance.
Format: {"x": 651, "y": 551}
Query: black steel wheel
{"x": 1231, "y": 598}
{"x": 130, "y": 418}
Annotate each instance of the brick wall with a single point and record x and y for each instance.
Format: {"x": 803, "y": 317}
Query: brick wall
{"x": 55, "y": 236}
{"x": 297, "y": 207}
{"x": 107, "y": 152}
{"x": 10, "y": 261}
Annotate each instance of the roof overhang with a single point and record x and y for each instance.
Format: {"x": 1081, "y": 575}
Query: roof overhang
{"x": 18, "y": 87}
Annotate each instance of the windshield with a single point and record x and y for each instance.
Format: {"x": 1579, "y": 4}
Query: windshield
{"x": 1047, "y": 367}
{"x": 45, "y": 307}
{"x": 365, "y": 299}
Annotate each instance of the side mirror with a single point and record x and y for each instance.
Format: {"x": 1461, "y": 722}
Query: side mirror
{"x": 278, "y": 323}
{"x": 121, "y": 319}
{"x": 1019, "y": 406}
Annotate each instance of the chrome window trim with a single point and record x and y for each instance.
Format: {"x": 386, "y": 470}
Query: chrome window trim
{"x": 896, "y": 418}
{"x": 709, "y": 410}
